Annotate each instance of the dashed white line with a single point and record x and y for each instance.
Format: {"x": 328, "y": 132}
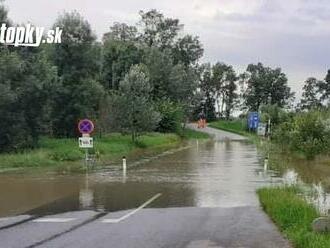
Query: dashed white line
{"x": 53, "y": 220}
{"x": 133, "y": 212}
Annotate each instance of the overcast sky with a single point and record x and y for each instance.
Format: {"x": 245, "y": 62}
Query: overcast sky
{"x": 291, "y": 34}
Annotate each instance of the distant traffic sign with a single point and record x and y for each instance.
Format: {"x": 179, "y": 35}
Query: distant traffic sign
{"x": 86, "y": 126}
{"x": 261, "y": 131}
{"x": 253, "y": 120}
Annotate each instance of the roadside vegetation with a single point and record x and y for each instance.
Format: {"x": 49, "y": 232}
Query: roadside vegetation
{"x": 138, "y": 79}
{"x": 141, "y": 79}
{"x": 238, "y": 126}
{"x": 107, "y": 149}
{"x": 192, "y": 134}
{"x": 293, "y": 215}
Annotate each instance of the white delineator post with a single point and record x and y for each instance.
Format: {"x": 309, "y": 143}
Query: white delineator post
{"x": 124, "y": 165}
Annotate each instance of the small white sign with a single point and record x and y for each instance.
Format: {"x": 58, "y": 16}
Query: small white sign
{"x": 86, "y": 142}
{"x": 261, "y": 129}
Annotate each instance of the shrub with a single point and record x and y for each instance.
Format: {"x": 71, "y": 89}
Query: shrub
{"x": 171, "y": 117}
{"x": 308, "y": 133}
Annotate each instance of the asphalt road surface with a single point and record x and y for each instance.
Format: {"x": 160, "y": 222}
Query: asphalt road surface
{"x": 212, "y": 220}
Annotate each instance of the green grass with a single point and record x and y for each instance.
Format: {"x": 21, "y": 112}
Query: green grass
{"x": 65, "y": 152}
{"x": 293, "y": 215}
{"x": 236, "y": 126}
{"x": 192, "y": 134}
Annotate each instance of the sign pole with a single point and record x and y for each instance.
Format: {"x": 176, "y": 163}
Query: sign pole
{"x": 86, "y": 156}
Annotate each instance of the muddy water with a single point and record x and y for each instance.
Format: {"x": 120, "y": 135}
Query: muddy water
{"x": 313, "y": 177}
{"x": 208, "y": 174}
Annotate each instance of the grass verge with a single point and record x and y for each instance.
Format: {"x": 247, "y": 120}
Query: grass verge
{"x": 65, "y": 153}
{"x": 293, "y": 215}
{"x": 237, "y": 126}
{"x": 193, "y": 134}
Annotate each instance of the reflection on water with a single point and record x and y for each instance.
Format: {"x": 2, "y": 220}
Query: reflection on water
{"x": 205, "y": 174}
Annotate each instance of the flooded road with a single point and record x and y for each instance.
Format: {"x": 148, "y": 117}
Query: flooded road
{"x": 203, "y": 174}
{"x": 202, "y": 195}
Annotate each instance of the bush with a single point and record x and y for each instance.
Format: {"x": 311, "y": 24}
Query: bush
{"x": 307, "y": 133}
{"x": 171, "y": 117}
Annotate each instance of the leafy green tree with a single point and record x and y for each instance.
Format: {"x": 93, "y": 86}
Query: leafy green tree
{"x": 26, "y": 84}
{"x": 324, "y": 88}
{"x": 157, "y": 30}
{"x": 265, "y": 85}
{"x": 311, "y": 98}
{"x": 117, "y": 58}
{"x": 121, "y": 32}
{"x": 75, "y": 56}
{"x": 159, "y": 65}
{"x": 77, "y": 59}
{"x": 224, "y": 81}
{"x": 12, "y": 132}
{"x": 208, "y": 91}
{"x": 133, "y": 110}
{"x": 182, "y": 84}
{"x": 230, "y": 97}
{"x": 187, "y": 50}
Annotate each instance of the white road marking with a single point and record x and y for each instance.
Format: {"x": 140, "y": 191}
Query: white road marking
{"x": 133, "y": 212}
{"x": 53, "y": 220}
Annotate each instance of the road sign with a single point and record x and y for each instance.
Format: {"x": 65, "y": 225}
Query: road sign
{"x": 253, "y": 120}
{"x": 86, "y": 142}
{"x": 261, "y": 129}
{"x": 86, "y": 126}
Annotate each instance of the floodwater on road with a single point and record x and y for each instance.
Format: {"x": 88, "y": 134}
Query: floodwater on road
{"x": 203, "y": 174}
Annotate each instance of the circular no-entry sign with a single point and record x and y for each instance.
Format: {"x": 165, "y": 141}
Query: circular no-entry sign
{"x": 85, "y": 126}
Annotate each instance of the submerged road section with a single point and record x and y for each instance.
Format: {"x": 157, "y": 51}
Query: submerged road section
{"x": 198, "y": 196}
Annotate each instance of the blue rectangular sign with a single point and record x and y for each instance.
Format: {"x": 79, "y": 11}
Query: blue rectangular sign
{"x": 253, "y": 120}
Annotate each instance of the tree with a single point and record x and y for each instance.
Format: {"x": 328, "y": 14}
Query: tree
{"x": 324, "y": 88}
{"x": 230, "y": 97}
{"x": 117, "y": 58}
{"x": 26, "y": 85}
{"x": 208, "y": 90}
{"x": 182, "y": 84}
{"x": 187, "y": 50}
{"x": 311, "y": 99}
{"x": 3, "y": 13}
{"x": 158, "y": 31}
{"x": 265, "y": 86}
{"x": 224, "y": 81}
{"x": 12, "y": 134}
{"x": 77, "y": 59}
{"x": 121, "y": 32}
{"x": 133, "y": 110}
{"x": 159, "y": 64}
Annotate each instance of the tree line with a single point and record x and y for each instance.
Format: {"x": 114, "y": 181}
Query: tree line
{"x": 137, "y": 78}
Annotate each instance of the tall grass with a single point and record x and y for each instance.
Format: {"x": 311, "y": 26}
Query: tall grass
{"x": 66, "y": 151}
{"x": 193, "y": 134}
{"x": 293, "y": 215}
{"x": 235, "y": 126}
